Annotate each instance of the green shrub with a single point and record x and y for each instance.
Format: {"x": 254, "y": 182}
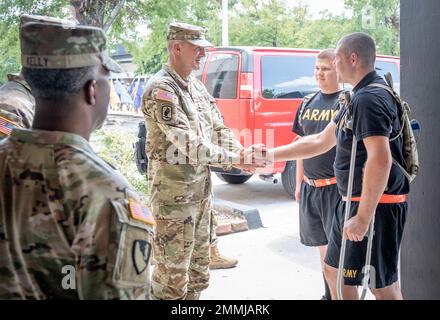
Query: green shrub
{"x": 116, "y": 148}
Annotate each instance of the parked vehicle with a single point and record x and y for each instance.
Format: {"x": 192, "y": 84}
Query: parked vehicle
{"x": 258, "y": 91}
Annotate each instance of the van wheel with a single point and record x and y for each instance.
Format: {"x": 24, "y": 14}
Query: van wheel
{"x": 232, "y": 178}
{"x": 288, "y": 178}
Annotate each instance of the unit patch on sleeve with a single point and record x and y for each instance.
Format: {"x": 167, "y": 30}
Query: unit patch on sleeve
{"x": 140, "y": 254}
{"x": 167, "y": 113}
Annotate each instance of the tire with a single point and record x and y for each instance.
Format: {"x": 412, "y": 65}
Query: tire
{"x": 288, "y": 178}
{"x": 233, "y": 179}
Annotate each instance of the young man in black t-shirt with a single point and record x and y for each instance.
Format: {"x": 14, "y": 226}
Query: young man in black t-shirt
{"x": 316, "y": 190}
{"x": 379, "y": 188}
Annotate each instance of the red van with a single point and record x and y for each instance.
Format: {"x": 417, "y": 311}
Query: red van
{"x": 258, "y": 91}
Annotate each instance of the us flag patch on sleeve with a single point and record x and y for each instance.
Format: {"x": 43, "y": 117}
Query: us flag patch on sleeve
{"x": 164, "y": 95}
{"x": 140, "y": 212}
{"x": 6, "y": 126}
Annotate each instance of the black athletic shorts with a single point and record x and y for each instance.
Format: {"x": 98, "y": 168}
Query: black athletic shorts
{"x": 316, "y": 211}
{"x": 388, "y": 229}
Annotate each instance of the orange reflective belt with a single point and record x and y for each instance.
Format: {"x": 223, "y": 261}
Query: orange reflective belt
{"x": 385, "y": 198}
{"x": 320, "y": 182}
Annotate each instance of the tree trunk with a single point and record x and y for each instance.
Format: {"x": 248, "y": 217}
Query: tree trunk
{"x": 93, "y": 12}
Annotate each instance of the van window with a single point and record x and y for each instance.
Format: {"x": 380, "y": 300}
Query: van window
{"x": 222, "y": 74}
{"x": 287, "y": 77}
{"x": 383, "y": 67}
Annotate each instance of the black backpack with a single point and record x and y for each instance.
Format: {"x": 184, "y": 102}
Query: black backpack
{"x": 410, "y": 167}
{"x": 140, "y": 155}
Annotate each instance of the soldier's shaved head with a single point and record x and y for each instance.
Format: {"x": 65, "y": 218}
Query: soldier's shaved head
{"x": 58, "y": 84}
{"x": 361, "y": 44}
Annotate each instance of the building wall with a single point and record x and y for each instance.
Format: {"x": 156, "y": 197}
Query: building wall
{"x": 420, "y": 86}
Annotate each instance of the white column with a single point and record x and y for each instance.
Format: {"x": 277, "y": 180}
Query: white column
{"x": 225, "y": 31}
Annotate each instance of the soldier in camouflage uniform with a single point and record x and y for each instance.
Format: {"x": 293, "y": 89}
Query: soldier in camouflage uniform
{"x": 186, "y": 135}
{"x": 70, "y": 226}
{"x": 17, "y": 103}
{"x": 217, "y": 260}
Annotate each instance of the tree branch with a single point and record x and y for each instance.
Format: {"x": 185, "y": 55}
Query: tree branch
{"x": 78, "y": 5}
{"x": 113, "y": 15}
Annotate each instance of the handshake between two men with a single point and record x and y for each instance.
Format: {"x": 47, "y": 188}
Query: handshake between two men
{"x": 254, "y": 157}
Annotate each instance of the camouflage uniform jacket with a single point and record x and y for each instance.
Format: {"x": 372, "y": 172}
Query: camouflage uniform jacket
{"x": 16, "y": 103}
{"x": 61, "y": 205}
{"x": 186, "y": 135}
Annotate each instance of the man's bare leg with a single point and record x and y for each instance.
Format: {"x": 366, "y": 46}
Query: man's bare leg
{"x": 392, "y": 292}
{"x": 322, "y": 253}
{"x": 348, "y": 292}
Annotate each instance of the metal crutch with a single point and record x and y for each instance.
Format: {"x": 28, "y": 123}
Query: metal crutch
{"x": 367, "y": 266}
{"x": 346, "y": 217}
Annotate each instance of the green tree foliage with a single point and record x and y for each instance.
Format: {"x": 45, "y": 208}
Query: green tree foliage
{"x": 323, "y": 33}
{"x": 266, "y": 23}
{"x": 121, "y": 15}
{"x": 380, "y": 19}
{"x": 10, "y": 11}
{"x": 10, "y": 51}
{"x": 117, "y": 149}
{"x": 149, "y": 53}
{"x": 281, "y": 23}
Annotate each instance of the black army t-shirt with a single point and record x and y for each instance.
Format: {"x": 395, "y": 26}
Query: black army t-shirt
{"x": 374, "y": 113}
{"x": 319, "y": 112}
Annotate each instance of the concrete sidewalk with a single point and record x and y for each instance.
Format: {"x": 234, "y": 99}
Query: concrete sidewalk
{"x": 273, "y": 264}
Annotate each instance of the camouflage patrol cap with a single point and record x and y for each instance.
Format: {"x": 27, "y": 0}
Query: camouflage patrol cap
{"x": 25, "y": 18}
{"x": 188, "y": 32}
{"x": 54, "y": 45}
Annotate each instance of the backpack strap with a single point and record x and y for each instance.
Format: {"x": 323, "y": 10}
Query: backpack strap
{"x": 405, "y": 111}
{"x": 389, "y": 80}
{"x": 387, "y": 88}
{"x": 306, "y": 100}
{"x": 403, "y": 106}
{"x": 345, "y": 122}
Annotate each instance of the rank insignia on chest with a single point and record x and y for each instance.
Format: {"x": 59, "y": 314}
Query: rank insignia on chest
{"x": 167, "y": 113}
{"x": 140, "y": 212}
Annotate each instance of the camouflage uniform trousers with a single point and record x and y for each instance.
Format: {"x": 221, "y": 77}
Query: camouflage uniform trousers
{"x": 181, "y": 247}
{"x": 214, "y": 225}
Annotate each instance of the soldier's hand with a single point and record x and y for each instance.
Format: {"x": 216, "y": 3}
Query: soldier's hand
{"x": 355, "y": 229}
{"x": 297, "y": 193}
{"x": 247, "y": 168}
{"x": 256, "y": 155}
